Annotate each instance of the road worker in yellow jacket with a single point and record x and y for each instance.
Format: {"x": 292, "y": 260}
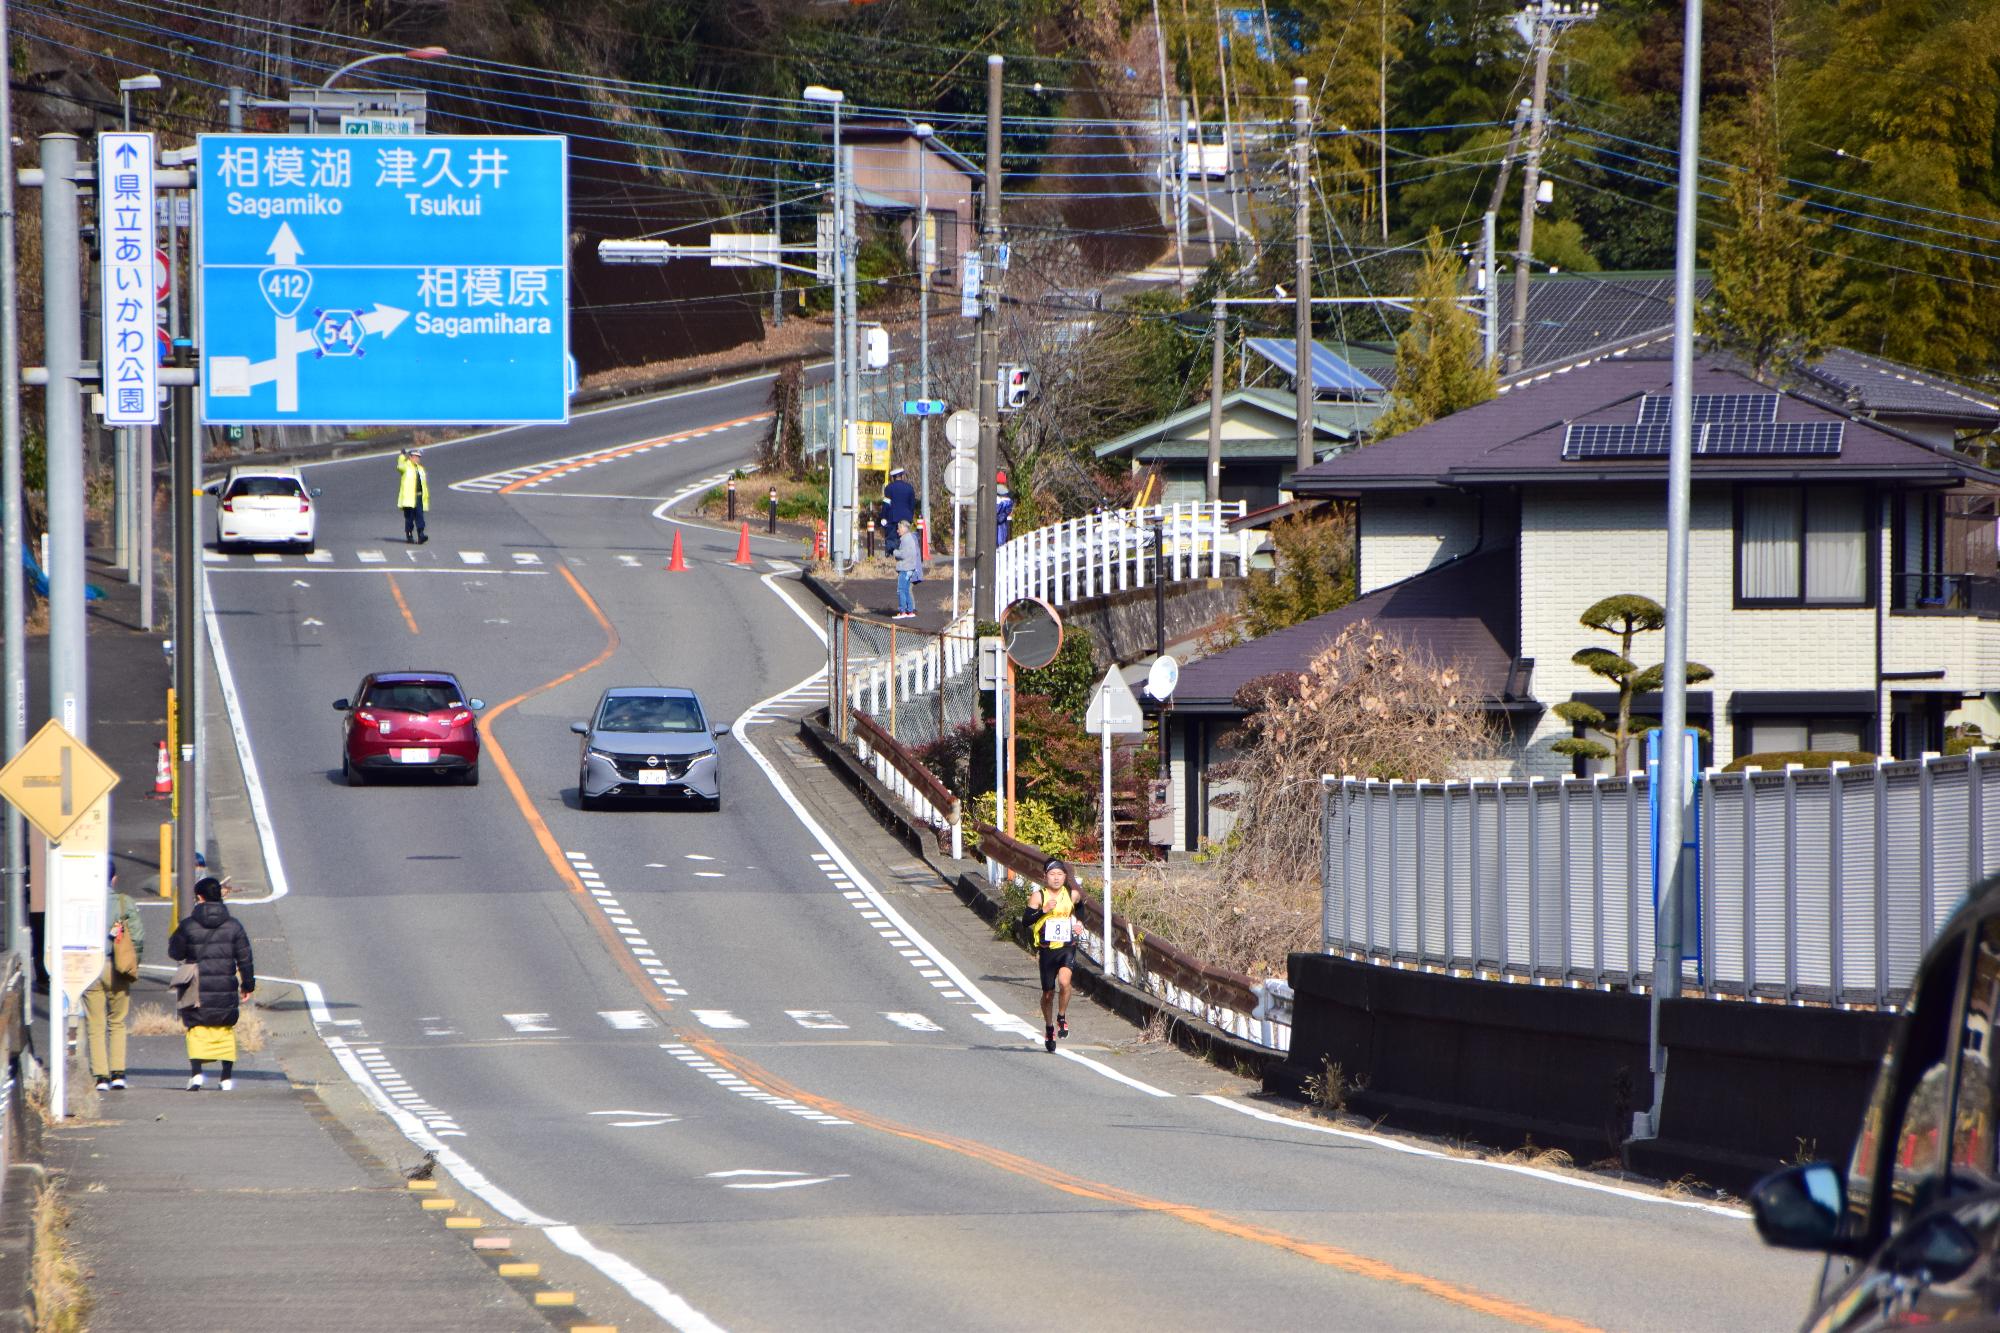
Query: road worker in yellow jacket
{"x": 413, "y": 494}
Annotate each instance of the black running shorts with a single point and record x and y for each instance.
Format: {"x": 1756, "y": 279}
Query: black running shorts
{"x": 1054, "y": 961}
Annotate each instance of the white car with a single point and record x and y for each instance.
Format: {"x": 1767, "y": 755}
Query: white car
{"x": 263, "y": 506}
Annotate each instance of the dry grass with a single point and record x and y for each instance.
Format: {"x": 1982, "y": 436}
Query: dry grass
{"x": 1245, "y": 925}
{"x": 1156, "y": 1031}
{"x": 155, "y": 1020}
{"x": 1326, "y": 1091}
{"x": 1548, "y": 1159}
{"x": 62, "y": 1296}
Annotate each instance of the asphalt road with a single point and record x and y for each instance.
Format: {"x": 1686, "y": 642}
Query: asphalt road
{"x": 730, "y": 1058}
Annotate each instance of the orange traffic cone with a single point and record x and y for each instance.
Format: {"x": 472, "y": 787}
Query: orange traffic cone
{"x": 742, "y": 546}
{"x": 163, "y": 775}
{"x": 819, "y": 539}
{"x": 924, "y": 541}
{"x": 676, "y": 563}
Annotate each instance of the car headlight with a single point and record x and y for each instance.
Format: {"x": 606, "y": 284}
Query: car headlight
{"x": 596, "y": 753}
{"x": 700, "y": 755}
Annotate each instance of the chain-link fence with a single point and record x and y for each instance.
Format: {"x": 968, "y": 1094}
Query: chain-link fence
{"x": 916, "y": 685}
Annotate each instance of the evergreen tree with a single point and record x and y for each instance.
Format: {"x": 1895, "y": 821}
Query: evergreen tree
{"x": 1312, "y": 573}
{"x": 1624, "y": 616}
{"x": 1440, "y": 359}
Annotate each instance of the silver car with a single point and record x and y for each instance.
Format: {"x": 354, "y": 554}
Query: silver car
{"x": 649, "y": 742}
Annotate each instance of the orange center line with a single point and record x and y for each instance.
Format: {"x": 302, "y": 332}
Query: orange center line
{"x": 396, "y": 589}
{"x": 571, "y": 465}
{"x": 544, "y": 836}
{"x": 1332, "y": 1256}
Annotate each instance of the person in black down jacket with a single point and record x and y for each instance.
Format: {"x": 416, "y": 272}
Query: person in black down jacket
{"x": 216, "y": 943}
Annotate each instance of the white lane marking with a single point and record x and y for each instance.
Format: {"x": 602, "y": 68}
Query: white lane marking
{"x": 695, "y": 856}
{"x": 914, "y": 1022}
{"x": 215, "y": 557}
{"x": 260, "y": 809}
{"x": 839, "y": 857}
{"x": 1513, "y": 1168}
{"x": 648, "y": 1291}
{"x": 708, "y": 874}
{"x": 749, "y": 1171}
{"x": 716, "y": 1074}
{"x": 526, "y": 1023}
{"x": 818, "y": 1019}
{"x": 629, "y": 561}
{"x": 782, "y": 566}
{"x": 578, "y": 857}
{"x": 267, "y": 557}
{"x": 397, "y": 1089}
{"x": 526, "y": 558}
{"x": 783, "y": 1184}
{"x": 628, "y": 1020}
{"x": 719, "y": 1018}
{"x": 370, "y": 557}
{"x": 639, "y": 1119}
{"x": 243, "y": 570}
{"x": 319, "y": 557}
{"x": 473, "y": 557}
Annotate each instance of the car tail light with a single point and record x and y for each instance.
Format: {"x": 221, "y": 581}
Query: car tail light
{"x": 305, "y": 505}
{"x": 229, "y": 506}
{"x": 460, "y": 719}
{"x": 365, "y": 715}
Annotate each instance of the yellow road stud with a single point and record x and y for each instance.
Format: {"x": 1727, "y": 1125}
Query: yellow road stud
{"x": 421, "y": 1185}
{"x": 492, "y": 1242}
{"x": 520, "y": 1270}
{"x": 555, "y": 1298}
{"x": 434, "y": 1205}
{"x": 593, "y": 1328}
{"x": 464, "y": 1223}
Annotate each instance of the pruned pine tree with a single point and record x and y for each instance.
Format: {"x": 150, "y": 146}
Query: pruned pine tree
{"x": 1624, "y": 616}
{"x": 1441, "y": 364}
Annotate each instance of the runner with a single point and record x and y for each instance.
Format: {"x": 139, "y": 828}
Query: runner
{"x": 1052, "y": 912}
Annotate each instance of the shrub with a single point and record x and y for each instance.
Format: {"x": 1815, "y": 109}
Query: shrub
{"x": 1313, "y": 573}
{"x": 1778, "y": 759}
{"x": 1033, "y": 823}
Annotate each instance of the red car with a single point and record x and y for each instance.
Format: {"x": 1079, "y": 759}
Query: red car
{"x": 410, "y": 721}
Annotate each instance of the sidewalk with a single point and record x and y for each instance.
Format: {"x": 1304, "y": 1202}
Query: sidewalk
{"x": 283, "y": 1203}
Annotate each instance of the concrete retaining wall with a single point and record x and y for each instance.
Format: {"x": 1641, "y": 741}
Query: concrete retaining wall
{"x": 1121, "y": 624}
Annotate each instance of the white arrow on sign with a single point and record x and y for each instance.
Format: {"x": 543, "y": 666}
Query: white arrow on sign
{"x": 383, "y": 319}
{"x": 285, "y": 247}
{"x": 1114, "y": 707}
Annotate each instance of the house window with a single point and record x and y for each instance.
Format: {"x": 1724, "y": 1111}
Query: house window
{"x": 1802, "y": 546}
{"x": 1789, "y": 735}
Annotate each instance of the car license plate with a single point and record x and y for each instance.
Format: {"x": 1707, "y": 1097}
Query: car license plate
{"x": 652, "y": 777}
{"x": 413, "y": 756}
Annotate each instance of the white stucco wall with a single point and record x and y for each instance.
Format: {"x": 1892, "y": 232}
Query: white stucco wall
{"x": 1404, "y": 535}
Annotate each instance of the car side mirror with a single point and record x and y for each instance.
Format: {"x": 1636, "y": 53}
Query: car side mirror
{"x": 314, "y": 491}
{"x": 213, "y": 488}
{"x": 1799, "y": 1208}
{"x": 1938, "y": 1248}
{"x": 580, "y": 728}
{"x": 722, "y": 730}
{"x": 476, "y": 705}
{"x": 342, "y": 705}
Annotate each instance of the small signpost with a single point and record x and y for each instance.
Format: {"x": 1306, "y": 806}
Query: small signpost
{"x": 129, "y": 368}
{"x": 961, "y": 480}
{"x": 1114, "y": 711}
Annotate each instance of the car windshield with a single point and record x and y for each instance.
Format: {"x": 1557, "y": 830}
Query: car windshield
{"x": 643, "y": 713}
{"x": 412, "y": 696}
{"x": 283, "y": 487}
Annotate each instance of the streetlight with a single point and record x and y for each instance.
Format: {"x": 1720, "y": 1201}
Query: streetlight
{"x": 418, "y": 53}
{"x": 841, "y": 543}
{"x": 142, "y": 83}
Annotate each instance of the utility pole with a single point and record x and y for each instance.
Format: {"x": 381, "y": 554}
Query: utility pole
{"x": 926, "y": 260}
{"x": 1213, "y": 490}
{"x": 1302, "y": 345}
{"x": 1382, "y": 118}
{"x": 1238, "y": 180}
{"x": 187, "y": 555}
{"x": 986, "y": 599}
{"x": 850, "y": 490}
{"x": 778, "y": 274}
{"x": 1172, "y": 179}
{"x": 1547, "y": 20}
{"x": 13, "y": 583}
{"x": 1492, "y": 215}
{"x": 62, "y": 335}
{"x": 1673, "y": 774}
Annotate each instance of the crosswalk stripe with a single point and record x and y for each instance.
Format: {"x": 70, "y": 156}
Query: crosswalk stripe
{"x": 526, "y": 558}
{"x": 627, "y": 1020}
{"x": 370, "y": 557}
{"x": 319, "y": 557}
{"x": 914, "y": 1022}
{"x": 216, "y": 557}
{"x": 528, "y": 1023}
{"x": 473, "y": 557}
{"x": 818, "y": 1019}
{"x": 718, "y": 1018}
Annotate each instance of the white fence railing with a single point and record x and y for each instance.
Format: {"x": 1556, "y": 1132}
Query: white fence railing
{"x": 917, "y": 684}
{"x": 1816, "y": 885}
{"x": 1114, "y": 551}
{"x": 922, "y": 800}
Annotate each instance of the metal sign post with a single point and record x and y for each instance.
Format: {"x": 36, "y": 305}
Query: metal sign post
{"x": 1113, "y": 712}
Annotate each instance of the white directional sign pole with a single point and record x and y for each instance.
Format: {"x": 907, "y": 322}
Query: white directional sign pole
{"x": 129, "y": 361}
{"x": 1113, "y": 712}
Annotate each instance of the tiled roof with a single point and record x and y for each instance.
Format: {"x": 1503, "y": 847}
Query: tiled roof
{"x": 1462, "y": 613}
{"x": 1518, "y": 437}
{"x": 1575, "y": 315}
{"x": 1880, "y": 387}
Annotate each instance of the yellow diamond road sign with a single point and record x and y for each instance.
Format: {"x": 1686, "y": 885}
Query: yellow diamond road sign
{"x": 54, "y": 780}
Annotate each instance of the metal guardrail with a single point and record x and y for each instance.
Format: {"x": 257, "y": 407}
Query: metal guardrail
{"x": 913, "y": 784}
{"x": 1817, "y": 886}
{"x": 1114, "y": 551}
{"x": 1259, "y": 1012}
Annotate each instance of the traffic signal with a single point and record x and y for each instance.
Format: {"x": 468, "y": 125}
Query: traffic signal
{"x": 1017, "y": 387}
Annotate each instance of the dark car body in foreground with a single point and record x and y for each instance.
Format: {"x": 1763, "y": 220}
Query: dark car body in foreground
{"x": 649, "y": 742}
{"x": 409, "y": 722}
{"x": 1912, "y": 1230}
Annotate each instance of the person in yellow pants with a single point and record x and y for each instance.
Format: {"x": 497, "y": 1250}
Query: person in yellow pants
{"x": 109, "y": 999}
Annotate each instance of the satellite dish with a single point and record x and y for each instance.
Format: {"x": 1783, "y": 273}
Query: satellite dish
{"x": 1165, "y": 674}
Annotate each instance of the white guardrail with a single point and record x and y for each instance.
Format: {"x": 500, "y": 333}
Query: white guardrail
{"x": 1113, "y": 551}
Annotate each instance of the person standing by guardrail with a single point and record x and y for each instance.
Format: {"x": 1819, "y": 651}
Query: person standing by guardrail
{"x": 1052, "y": 914}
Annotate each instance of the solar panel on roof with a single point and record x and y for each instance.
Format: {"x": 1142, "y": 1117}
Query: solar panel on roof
{"x": 1712, "y": 408}
{"x": 1772, "y": 439}
{"x": 1615, "y": 440}
{"x": 1330, "y": 372}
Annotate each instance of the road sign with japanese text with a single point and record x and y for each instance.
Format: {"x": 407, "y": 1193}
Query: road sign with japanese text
{"x": 125, "y": 226}
{"x": 381, "y": 280}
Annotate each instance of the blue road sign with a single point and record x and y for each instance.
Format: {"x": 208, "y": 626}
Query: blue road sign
{"x": 384, "y": 281}
{"x": 923, "y": 407}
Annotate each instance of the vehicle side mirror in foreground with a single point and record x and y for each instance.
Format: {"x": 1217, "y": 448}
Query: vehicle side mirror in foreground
{"x": 580, "y": 728}
{"x": 1937, "y": 1248}
{"x": 722, "y": 730}
{"x": 213, "y": 488}
{"x": 314, "y": 491}
{"x": 475, "y": 704}
{"x": 342, "y": 705}
{"x": 1799, "y": 1208}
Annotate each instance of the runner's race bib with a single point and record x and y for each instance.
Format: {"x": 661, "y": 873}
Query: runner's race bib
{"x": 1056, "y": 930}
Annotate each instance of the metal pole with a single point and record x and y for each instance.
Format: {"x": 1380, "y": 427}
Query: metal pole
{"x": 1104, "y": 730}
{"x": 1492, "y": 288}
{"x": 1231, "y": 143}
{"x": 13, "y": 535}
{"x": 778, "y": 273}
{"x": 840, "y": 542}
{"x": 1680, "y": 458}
{"x": 187, "y": 555}
{"x": 850, "y": 474}
{"x": 1213, "y": 491}
{"x": 1160, "y": 583}
{"x": 1382, "y": 119}
{"x": 1171, "y": 176}
{"x": 924, "y": 261}
{"x": 985, "y": 592}
{"x": 1531, "y": 174}
{"x": 62, "y": 336}
{"x": 1302, "y": 345}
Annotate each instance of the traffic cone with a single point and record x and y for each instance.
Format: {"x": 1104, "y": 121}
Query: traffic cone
{"x": 924, "y": 541}
{"x": 742, "y": 546}
{"x": 163, "y": 775}
{"x": 819, "y": 539}
{"x": 677, "y": 563}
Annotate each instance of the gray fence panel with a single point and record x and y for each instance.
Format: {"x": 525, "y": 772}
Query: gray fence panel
{"x": 1900, "y": 832}
{"x": 1723, "y": 874}
{"x": 1431, "y": 873}
{"x": 1986, "y": 787}
{"x": 1551, "y": 901}
{"x": 1862, "y": 977}
{"x": 1769, "y": 907}
{"x": 1516, "y": 886}
{"x": 1583, "y": 889}
{"x": 1406, "y": 805}
{"x": 1459, "y": 908}
{"x": 1951, "y": 829}
{"x": 1378, "y": 877}
{"x": 1812, "y": 890}
{"x": 1616, "y": 842}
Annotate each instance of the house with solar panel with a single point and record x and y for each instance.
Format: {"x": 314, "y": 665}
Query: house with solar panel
{"x": 1843, "y": 586}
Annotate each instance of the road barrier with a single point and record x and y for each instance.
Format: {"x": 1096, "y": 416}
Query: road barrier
{"x": 1257, "y": 1011}
{"x": 911, "y": 783}
{"x": 916, "y": 685}
{"x": 1114, "y": 551}
{"x": 1817, "y": 886}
